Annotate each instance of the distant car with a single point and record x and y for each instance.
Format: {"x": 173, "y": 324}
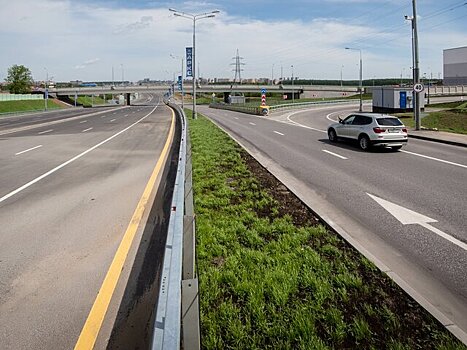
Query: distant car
{"x": 369, "y": 130}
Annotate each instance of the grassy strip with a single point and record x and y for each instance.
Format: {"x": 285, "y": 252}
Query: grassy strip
{"x": 88, "y": 101}
{"x": 454, "y": 120}
{"x": 269, "y": 280}
{"x": 27, "y": 105}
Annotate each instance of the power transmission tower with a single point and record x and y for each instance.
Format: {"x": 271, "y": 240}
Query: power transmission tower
{"x": 238, "y": 68}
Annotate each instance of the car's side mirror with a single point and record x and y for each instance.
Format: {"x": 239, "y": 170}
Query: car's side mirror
{"x": 340, "y": 120}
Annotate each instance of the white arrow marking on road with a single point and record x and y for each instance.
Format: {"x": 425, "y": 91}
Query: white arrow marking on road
{"x": 410, "y": 217}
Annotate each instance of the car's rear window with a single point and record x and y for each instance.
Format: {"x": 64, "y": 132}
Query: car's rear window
{"x": 389, "y": 121}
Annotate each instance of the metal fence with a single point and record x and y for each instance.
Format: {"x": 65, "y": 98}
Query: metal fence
{"x": 177, "y": 310}
{"x": 283, "y": 106}
{"x": 20, "y": 97}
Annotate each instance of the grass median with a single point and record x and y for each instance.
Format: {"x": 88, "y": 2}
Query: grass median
{"x": 27, "y": 106}
{"x": 272, "y": 277}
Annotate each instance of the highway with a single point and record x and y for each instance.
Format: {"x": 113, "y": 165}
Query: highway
{"x": 406, "y": 209}
{"x": 70, "y": 182}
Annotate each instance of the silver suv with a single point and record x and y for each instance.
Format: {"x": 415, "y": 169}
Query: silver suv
{"x": 370, "y": 130}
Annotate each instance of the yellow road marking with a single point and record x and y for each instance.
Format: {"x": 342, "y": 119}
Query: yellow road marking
{"x": 96, "y": 316}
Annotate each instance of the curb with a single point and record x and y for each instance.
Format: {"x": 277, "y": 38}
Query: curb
{"x": 449, "y": 142}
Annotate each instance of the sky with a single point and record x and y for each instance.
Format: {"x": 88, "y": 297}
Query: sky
{"x": 88, "y": 40}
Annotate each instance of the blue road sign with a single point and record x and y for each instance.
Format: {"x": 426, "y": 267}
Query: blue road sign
{"x": 189, "y": 61}
{"x": 263, "y": 91}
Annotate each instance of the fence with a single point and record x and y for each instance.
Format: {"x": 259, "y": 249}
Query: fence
{"x": 19, "y": 97}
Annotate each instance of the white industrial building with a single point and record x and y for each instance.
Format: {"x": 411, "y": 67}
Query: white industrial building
{"x": 455, "y": 66}
{"x": 387, "y": 99}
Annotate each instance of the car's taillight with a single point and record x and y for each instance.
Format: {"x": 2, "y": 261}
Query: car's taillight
{"x": 378, "y": 130}
{"x": 404, "y": 130}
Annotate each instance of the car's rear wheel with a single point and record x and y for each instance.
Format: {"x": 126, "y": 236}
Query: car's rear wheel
{"x": 332, "y": 135}
{"x": 396, "y": 148}
{"x": 364, "y": 142}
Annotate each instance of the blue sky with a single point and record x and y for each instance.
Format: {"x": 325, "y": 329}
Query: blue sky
{"x": 84, "y": 39}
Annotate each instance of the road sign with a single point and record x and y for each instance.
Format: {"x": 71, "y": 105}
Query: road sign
{"x": 263, "y": 91}
{"x": 418, "y": 87}
{"x": 189, "y": 61}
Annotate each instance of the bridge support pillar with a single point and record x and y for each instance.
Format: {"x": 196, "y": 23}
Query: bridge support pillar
{"x": 127, "y": 99}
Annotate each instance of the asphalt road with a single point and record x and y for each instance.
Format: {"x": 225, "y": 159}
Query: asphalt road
{"x": 69, "y": 184}
{"x": 339, "y": 180}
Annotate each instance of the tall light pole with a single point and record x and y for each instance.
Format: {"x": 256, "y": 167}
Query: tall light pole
{"x": 181, "y": 74}
{"x": 293, "y": 92}
{"x": 46, "y": 89}
{"x": 123, "y": 76}
{"x": 272, "y": 75}
{"x": 360, "y": 84}
{"x": 342, "y": 67}
{"x": 194, "y": 18}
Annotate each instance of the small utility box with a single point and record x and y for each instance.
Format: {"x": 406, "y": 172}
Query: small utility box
{"x": 394, "y": 100}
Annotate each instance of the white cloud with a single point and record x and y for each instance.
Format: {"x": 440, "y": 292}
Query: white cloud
{"x": 59, "y": 35}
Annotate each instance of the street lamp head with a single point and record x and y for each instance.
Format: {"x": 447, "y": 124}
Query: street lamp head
{"x": 210, "y": 16}
{"x": 172, "y": 10}
{"x": 215, "y": 11}
{"x": 177, "y": 14}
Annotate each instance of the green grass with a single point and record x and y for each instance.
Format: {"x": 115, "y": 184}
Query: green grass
{"x": 267, "y": 283}
{"x": 88, "y": 101}
{"x": 453, "y": 120}
{"x": 450, "y": 105}
{"x": 27, "y": 105}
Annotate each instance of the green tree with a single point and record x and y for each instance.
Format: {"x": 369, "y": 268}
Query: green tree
{"x": 19, "y": 79}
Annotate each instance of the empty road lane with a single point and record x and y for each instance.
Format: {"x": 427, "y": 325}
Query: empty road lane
{"x": 68, "y": 191}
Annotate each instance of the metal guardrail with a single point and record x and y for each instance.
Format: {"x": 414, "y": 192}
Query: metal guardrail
{"x": 177, "y": 312}
{"x": 257, "y": 110}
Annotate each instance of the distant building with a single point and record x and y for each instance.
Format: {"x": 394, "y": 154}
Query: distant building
{"x": 455, "y": 66}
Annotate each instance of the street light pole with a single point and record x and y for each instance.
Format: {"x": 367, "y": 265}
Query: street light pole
{"x": 293, "y": 92}
{"x": 46, "y": 89}
{"x": 194, "y": 18}
{"x": 342, "y": 67}
{"x": 416, "y": 69}
{"x": 181, "y": 75}
{"x": 361, "y": 72}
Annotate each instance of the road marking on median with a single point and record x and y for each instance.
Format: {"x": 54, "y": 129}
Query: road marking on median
{"x": 83, "y": 121}
{"x": 96, "y": 316}
{"x": 409, "y": 217}
{"x": 87, "y": 129}
{"x": 27, "y": 150}
{"x": 252, "y": 123}
{"x": 45, "y": 132}
{"x": 112, "y": 120}
{"x": 435, "y": 159}
{"x": 50, "y": 172}
{"x": 334, "y": 154}
{"x": 279, "y": 133}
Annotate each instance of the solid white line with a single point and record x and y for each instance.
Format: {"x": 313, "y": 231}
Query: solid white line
{"x": 444, "y": 235}
{"x": 329, "y": 115}
{"x": 436, "y": 159}
{"x": 334, "y": 154}
{"x": 30, "y": 149}
{"x": 252, "y": 124}
{"x": 45, "y": 132}
{"x": 37, "y": 179}
{"x": 87, "y": 129}
{"x": 113, "y": 120}
{"x": 279, "y": 133}
{"x": 84, "y": 121}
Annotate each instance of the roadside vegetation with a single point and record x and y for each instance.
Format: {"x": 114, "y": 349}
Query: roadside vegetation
{"x": 452, "y": 117}
{"x": 27, "y": 106}
{"x": 272, "y": 277}
{"x": 88, "y": 101}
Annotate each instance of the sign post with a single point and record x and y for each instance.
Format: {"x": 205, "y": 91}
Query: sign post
{"x": 264, "y": 108}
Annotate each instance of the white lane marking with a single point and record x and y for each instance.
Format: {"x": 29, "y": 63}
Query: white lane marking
{"x": 45, "y": 132}
{"x": 236, "y": 118}
{"x": 87, "y": 129}
{"x": 126, "y": 115}
{"x": 435, "y": 159}
{"x": 37, "y": 179}
{"x": 27, "y": 150}
{"x": 328, "y": 117}
{"x": 113, "y": 120}
{"x": 252, "y": 123}
{"x": 83, "y": 121}
{"x": 409, "y": 217}
{"x": 334, "y": 154}
{"x": 279, "y": 133}
{"x": 104, "y": 116}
